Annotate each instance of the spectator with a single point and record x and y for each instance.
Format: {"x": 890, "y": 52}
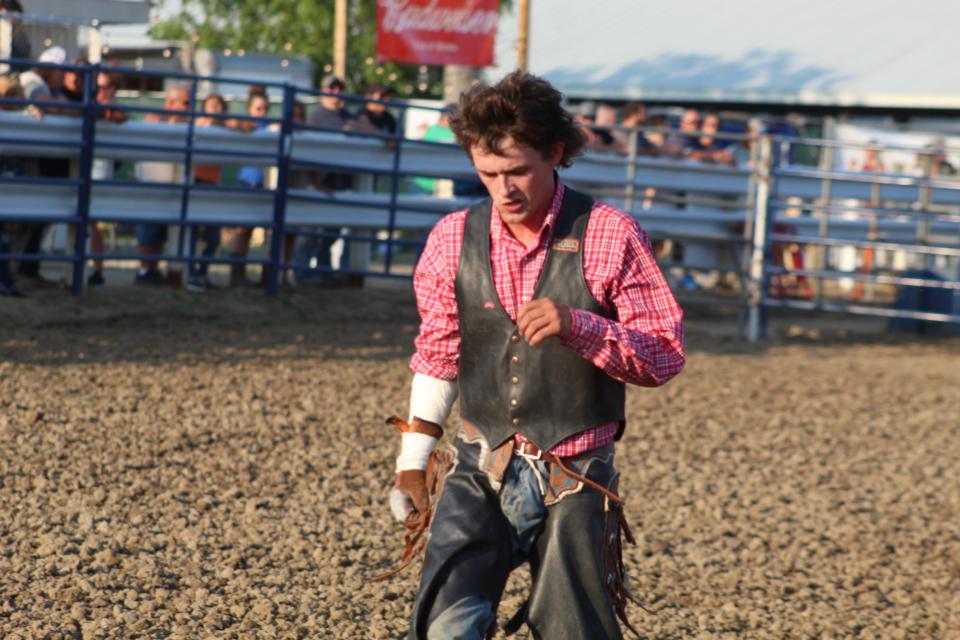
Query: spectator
{"x": 330, "y": 112}
{"x": 73, "y": 82}
{"x": 42, "y": 84}
{"x": 743, "y": 151}
{"x": 374, "y": 117}
{"x": 632, "y": 115}
{"x": 20, "y": 46}
{"x": 45, "y": 83}
{"x": 656, "y": 141}
{"x": 207, "y": 174}
{"x": 679, "y": 144}
{"x": 152, "y": 237}
{"x": 250, "y": 176}
{"x": 586, "y": 117}
{"x": 12, "y": 167}
{"x": 102, "y": 169}
{"x": 440, "y": 132}
{"x": 706, "y": 147}
{"x": 939, "y": 164}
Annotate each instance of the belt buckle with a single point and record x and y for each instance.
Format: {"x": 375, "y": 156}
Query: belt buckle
{"x": 522, "y": 451}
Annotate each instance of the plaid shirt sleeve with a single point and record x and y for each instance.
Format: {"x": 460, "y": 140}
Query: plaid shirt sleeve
{"x": 644, "y": 344}
{"x": 438, "y": 343}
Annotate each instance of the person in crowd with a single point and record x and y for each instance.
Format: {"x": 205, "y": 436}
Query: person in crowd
{"x": 11, "y": 167}
{"x": 152, "y": 237}
{"x": 206, "y": 174}
{"x": 598, "y": 139}
{"x": 743, "y": 151}
{"x": 254, "y": 176}
{"x": 936, "y": 159}
{"x": 20, "y": 46}
{"x": 373, "y": 116}
{"x": 679, "y": 144}
{"x": 73, "y": 82}
{"x": 42, "y": 84}
{"x": 330, "y": 112}
{"x": 102, "y": 167}
{"x": 441, "y": 133}
{"x": 46, "y": 83}
{"x": 508, "y": 324}
{"x": 632, "y": 115}
{"x": 657, "y": 139}
{"x": 706, "y": 147}
{"x": 332, "y": 115}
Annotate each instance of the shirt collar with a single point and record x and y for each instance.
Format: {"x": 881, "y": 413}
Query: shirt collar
{"x": 549, "y": 222}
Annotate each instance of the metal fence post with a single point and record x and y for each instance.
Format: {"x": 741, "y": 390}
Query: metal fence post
{"x": 87, "y": 140}
{"x": 757, "y": 276}
{"x": 280, "y": 190}
{"x": 630, "y": 190}
{"x": 394, "y": 188}
{"x": 188, "y": 183}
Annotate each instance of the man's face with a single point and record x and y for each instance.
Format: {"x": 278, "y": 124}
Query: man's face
{"x": 519, "y": 179}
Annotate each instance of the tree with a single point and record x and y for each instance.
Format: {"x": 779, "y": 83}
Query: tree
{"x": 298, "y": 27}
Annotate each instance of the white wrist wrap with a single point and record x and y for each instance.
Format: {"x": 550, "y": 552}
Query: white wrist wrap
{"x": 415, "y": 450}
{"x": 431, "y": 398}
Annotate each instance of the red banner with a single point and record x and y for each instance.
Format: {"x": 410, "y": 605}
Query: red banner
{"x": 437, "y": 32}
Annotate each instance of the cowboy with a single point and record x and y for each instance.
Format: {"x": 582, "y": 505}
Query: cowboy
{"x": 537, "y": 305}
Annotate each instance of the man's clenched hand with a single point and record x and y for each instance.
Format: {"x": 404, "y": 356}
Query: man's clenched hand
{"x": 542, "y": 318}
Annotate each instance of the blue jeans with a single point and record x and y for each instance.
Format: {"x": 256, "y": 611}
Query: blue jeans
{"x": 211, "y": 242}
{"x": 6, "y": 273}
{"x": 522, "y": 503}
{"x": 485, "y": 525}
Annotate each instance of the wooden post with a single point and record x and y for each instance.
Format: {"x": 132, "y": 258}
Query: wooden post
{"x": 523, "y": 15}
{"x": 340, "y": 40}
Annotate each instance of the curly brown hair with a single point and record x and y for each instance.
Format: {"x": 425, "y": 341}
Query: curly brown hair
{"x": 522, "y": 108}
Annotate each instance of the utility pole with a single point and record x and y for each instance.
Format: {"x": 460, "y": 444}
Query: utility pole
{"x": 340, "y": 40}
{"x": 523, "y": 15}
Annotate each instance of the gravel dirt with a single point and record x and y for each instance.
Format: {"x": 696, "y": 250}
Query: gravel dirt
{"x": 182, "y": 466}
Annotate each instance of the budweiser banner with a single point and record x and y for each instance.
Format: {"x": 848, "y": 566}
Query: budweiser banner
{"x": 437, "y": 31}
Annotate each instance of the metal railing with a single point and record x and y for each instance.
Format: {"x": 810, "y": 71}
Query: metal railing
{"x": 749, "y": 212}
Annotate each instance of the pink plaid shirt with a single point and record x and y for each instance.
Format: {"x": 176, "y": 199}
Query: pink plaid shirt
{"x": 642, "y": 346}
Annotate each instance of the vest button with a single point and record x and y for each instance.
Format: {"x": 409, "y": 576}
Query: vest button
{"x": 513, "y": 402}
{"x": 515, "y": 359}
{"x": 516, "y": 422}
{"x": 515, "y": 380}
{"x": 514, "y": 338}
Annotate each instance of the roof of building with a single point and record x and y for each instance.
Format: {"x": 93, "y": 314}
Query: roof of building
{"x": 855, "y": 53}
{"x": 105, "y": 11}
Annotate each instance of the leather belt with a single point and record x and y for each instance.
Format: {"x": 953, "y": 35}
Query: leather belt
{"x": 527, "y": 449}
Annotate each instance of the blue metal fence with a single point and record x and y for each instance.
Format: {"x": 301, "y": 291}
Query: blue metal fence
{"x": 745, "y": 211}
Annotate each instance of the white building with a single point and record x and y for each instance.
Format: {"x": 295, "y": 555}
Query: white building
{"x": 72, "y": 24}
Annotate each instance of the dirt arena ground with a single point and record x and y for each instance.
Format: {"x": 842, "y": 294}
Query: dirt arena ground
{"x": 178, "y": 466}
